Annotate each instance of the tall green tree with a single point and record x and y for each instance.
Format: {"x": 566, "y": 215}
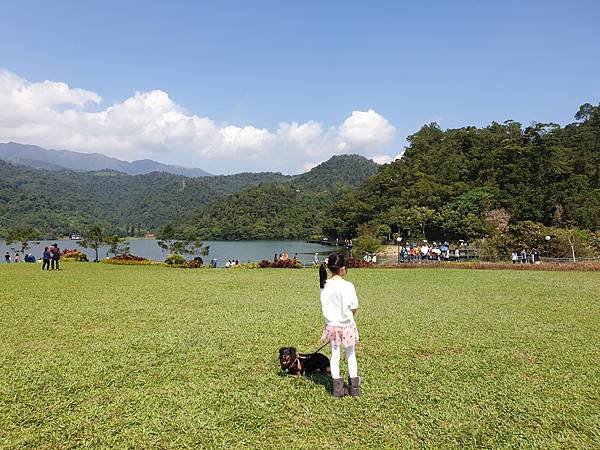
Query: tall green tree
{"x": 94, "y": 238}
{"x": 23, "y": 236}
{"x": 176, "y": 242}
{"x": 117, "y": 245}
{"x": 366, "y": 241}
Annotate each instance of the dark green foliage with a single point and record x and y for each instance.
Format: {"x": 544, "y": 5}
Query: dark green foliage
{"x": 63, "y": 202}
{"x": 283, "y": 210}
{"x": 542, "y": 173}
{"x": 175, "y": 259}
{"x": 265, "y": 212}
{"x": 339, "y": 172}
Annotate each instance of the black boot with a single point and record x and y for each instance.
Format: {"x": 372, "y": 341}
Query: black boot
{"x": 354, "y": 386}
{"x": 338, "y": 388}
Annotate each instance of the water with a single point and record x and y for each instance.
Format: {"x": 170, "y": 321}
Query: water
{"x": 244, "y": 251}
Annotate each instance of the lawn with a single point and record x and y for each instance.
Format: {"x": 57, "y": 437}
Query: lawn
{"x": 151, "y": 357}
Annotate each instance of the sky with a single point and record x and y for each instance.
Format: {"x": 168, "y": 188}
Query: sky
{"x": 234, "y": 86}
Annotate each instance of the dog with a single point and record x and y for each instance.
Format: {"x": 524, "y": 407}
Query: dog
{"x": 302, "y": 363}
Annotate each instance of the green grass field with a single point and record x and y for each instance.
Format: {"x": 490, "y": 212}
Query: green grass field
{"x": 150, "y": 357}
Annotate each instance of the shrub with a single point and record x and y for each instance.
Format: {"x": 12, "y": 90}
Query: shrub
{"x": 281, "y": 264}
{"x": 73, "y": 255}
{"x": 354, "y": 263}
{"x": 175, "y": 260}
{"x": 195, "y": 263}
{"x": 128, "y": 259}
{"x": 129, "y": 262}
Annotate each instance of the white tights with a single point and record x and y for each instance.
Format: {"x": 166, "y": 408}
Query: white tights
{"x": 335, "y": 361}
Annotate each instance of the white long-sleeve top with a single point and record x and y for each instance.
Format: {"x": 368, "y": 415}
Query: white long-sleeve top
{"x": 338, "y": 299}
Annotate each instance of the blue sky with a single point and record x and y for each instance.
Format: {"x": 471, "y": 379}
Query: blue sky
{"x": 251, "y": 66}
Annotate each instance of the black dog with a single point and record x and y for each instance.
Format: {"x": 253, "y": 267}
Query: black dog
{"x": 302, "y": 363}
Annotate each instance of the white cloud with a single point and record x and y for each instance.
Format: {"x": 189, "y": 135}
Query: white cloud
{"x": 366, "y": 130}
{"x": 381, "y": 159}
{"x": 150, "y": 125}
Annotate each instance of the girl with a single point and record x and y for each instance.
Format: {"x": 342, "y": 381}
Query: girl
{"x": 339, "y": 303}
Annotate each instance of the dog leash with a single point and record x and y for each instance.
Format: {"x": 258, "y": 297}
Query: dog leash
{"x": 316, "y": 351}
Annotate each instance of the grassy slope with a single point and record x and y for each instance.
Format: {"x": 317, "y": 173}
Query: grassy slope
{"x": 142, "y": 356}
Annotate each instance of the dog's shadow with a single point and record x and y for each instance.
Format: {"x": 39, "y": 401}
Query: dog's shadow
{"x": 316, "y": 377}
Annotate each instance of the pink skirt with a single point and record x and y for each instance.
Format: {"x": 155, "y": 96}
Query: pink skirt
{"x": 347, "y": 335}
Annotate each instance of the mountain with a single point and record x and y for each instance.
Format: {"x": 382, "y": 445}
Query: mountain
{"x": 295, "y": 209}
{"x": 60, "y": 202}
{"x": 340, "y": 171}
{"x": 41, "y": 158}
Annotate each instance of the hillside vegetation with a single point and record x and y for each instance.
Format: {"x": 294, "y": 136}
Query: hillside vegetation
{"x": 62, "y": 202}
{"x": 295, "y": 209}
{"x": 472, "y": 182}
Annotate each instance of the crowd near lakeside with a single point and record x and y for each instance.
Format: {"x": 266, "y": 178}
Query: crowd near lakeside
{"x": 50, "y": 256}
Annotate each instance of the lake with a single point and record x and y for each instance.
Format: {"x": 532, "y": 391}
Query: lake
{"x": 244, "y": 251}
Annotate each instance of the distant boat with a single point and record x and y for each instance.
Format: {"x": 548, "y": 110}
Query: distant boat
{"x": 76, "y": 237}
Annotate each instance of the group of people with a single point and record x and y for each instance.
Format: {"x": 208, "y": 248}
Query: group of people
{"x": 27, "y": 258}
{"x": 436, "y": 252}
{"x": 8, "y": 258}
{"x": 284, "y": 257}
{"x": 51, "y": 257}
{"x": 524, "y": 258}
{"x": 232, "y": 263}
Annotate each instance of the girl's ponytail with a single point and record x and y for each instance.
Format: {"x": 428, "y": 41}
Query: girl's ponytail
{"x": 322, "y": 275}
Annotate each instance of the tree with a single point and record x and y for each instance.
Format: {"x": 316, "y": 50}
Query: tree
{"x": 117, "y": 245}
{"x": 177, "y": 243}
{"x": 23, "y": 236}
{"x": 367, "y": 241}
{"x": 422, "y": 216}
{"x": 93, "y": 239}
{"x": 384, "y": 231}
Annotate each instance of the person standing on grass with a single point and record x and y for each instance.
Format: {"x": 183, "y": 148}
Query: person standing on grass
{"x": 46, "y": 259}
{"x": 7, "y": 257}
{"x": 339, "y": 304}
{"x": 55, "y": 256}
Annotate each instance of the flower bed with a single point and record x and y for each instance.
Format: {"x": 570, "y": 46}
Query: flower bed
{"x": 73, "y": 255}
{"x": 281, "y": 264}
{"x": 354, "y": 263}
{"x": 128, "y": 259}
{"x": 122, "y": 262}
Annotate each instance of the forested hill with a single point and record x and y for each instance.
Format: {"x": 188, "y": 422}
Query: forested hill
{"x": 290, "y": 210}
{"x": 341, "y": 171}
{"x": 62, "y": 202}
{"x": 459, "y": 182}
